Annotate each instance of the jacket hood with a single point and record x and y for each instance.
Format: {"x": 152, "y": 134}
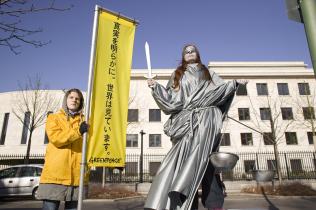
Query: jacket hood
{"x": 65, "y": 108}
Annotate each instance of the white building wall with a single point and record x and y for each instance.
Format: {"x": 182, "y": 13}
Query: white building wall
{"x": 13, "y": 144}
{"x": 140, "y": 98}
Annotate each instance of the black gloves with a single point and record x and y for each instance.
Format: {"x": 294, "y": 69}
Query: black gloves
{"x": 83, "y": 127}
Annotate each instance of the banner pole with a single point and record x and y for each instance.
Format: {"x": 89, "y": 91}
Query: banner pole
{"x": 87, "y": 109}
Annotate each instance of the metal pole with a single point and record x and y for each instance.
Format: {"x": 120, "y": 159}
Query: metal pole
{"x": 314, "y": 165}
{"x": 141, "y": 170}
{"x": 87, "y": 110}
{"x": 308, "y": 14}
{"x": 257, "y": 161}
{"x": 287, "y": 168}
{"x": 244, "y": 125}
{"x": 103, "y": 177}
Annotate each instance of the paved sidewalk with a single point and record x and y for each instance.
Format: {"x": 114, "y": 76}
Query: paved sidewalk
{"x": 232, "y": 202}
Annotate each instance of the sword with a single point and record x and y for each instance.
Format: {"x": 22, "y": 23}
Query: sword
{"x": 149, "y": 74}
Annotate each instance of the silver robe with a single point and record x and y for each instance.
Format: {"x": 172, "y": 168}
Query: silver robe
{"x": 197, "y": 110}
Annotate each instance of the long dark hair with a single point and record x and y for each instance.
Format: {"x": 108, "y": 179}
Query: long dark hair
{"x": 183, "y": 65}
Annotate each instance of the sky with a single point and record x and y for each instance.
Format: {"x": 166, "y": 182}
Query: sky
{"x": 225, "y": 30}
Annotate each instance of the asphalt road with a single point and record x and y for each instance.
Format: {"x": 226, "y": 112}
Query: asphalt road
{"x": 232, "y": 202}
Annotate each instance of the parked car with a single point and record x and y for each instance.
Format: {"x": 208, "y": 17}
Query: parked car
{"x": 20, "y": 180}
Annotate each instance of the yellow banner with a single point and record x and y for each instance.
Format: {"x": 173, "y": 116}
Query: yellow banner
{"x": 110, "y": 92}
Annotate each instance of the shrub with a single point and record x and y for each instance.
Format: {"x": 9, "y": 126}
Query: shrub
{"x": 97, "y": 191}
{"x": 289, "y": 189}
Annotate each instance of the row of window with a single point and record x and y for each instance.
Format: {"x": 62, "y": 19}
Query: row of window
{"x": 283, "y": 89}
{"x": 154, "y": 115}
{"x": 247, "y": 140}
{"x": 286, "y": 112}
{"x": 154, "y": 140}
{"x": 26, "y": 123}
{"x": 243, "y": 113}
{"x": 25, "y": 130}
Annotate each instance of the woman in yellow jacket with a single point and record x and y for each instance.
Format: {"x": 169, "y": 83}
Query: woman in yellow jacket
{"x": 60, "y": 177}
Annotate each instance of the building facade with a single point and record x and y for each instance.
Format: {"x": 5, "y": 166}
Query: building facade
{"x": 283, "y": 92}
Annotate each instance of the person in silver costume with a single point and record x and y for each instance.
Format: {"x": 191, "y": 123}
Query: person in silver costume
{"x": 197, "y": 100}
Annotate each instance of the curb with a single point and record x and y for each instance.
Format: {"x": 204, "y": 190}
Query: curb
{"x": 245, "y": 195}
{"x": 139, "y": 198}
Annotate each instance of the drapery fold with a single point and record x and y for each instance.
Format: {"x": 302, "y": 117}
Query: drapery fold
{"x": 197, "y": 110}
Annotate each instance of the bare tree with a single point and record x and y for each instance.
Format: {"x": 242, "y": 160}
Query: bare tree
{"x": 13, "y": 31}
{"x": 31, "y": 105}
{"x": 305, "y": 105}
{"x": 272, "y": 114}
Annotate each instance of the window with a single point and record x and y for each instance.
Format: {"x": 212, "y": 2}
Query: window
{"x": 243, "y": 114}
{"x": 271, "y": 164}
{"x": 283, "y": 89}
{"x": 265, "y": 113}
{"x": 246, "y": 139}
{"x": 268, "y": 138}
{"x": 308, "y": 113}
{"x": 225, "y": 139}
{"x": 287, "y": 113}
{"x": 131, "y": 168}
{"x": 249, "y": 165}
{"x": 154, "y": 115}
{"x": 241, "y": 90}
{"x": 4, "y": 128}
{"x": 262, "y": 89}
{"x": 290, "y": 138}
{"x": 26, "y": 124}
{"x": 8, "y": 173}
{"x": 310, "y": 137}
{"x": 153, "y": 168}
{"x": 27, "y": 171}
{"x": 303, "y": 88}
{"x": 132, "y": 115}
{"x": 46, "y": 137}
{"x": 131, "y": 140}
{"x": 38, "y": 171}
{"x": 154, "y": 140}
{"x": 296, "y": 165}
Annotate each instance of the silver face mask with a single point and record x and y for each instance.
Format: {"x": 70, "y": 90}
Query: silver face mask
{"x": 190, "y": 55}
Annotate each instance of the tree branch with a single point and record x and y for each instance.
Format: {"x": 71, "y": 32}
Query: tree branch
{"x": 14, "y": 34}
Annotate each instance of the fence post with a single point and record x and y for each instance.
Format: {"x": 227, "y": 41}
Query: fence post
{"x": 103, "y": 177}
{"x": 287, "y": 168}
{"x": 257, "y": 157}
{"x": 314, "y": 165}
{"x": 141, "y": 170}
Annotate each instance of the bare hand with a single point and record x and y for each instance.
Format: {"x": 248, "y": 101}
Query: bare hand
{"x": 242, "y": 81}
{"x": 151, "y": 82}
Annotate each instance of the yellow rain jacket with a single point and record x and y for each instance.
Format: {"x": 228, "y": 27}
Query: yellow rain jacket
{"x": 63, "y": 152}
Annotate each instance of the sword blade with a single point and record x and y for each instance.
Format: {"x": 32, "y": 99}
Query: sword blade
{"x": 148, "y": 60}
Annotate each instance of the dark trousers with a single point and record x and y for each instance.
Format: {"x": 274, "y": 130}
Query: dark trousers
{"x": 212, "y": 190}
{"x": 54, "y": 205}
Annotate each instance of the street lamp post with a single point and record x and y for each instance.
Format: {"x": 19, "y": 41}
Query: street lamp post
{"x": 141, "y": 170}
{"x": 304, "y": 11}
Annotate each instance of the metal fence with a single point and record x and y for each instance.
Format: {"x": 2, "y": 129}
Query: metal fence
{"x": 294, "y": 165}
{"x": 9, "y": 160}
